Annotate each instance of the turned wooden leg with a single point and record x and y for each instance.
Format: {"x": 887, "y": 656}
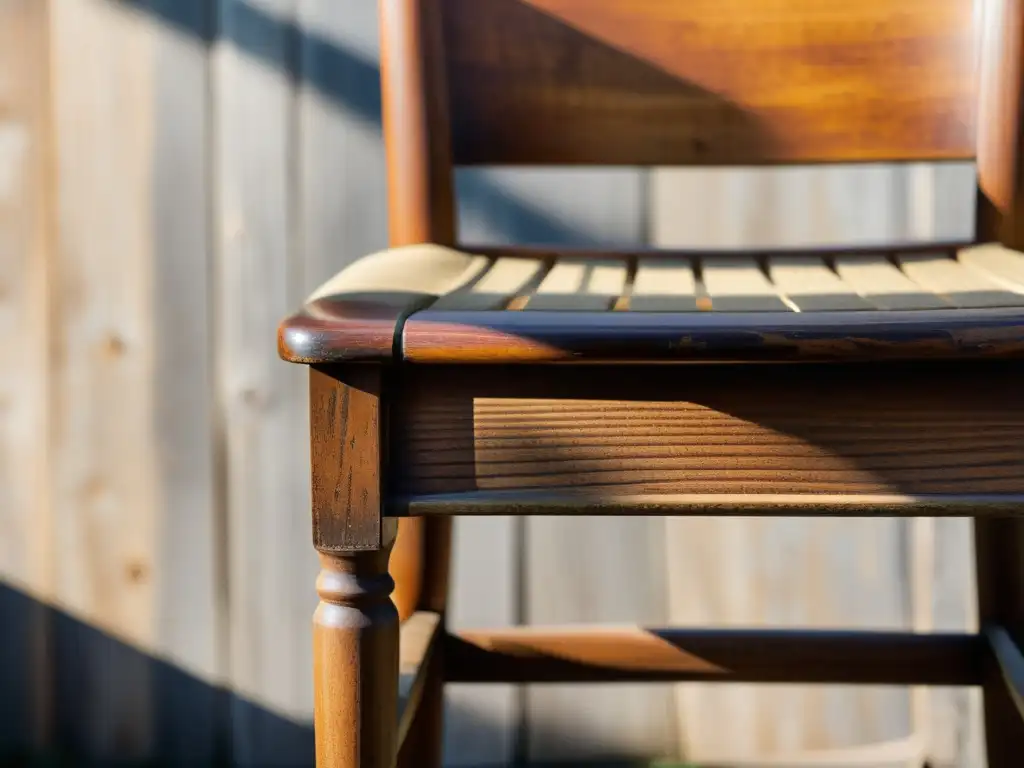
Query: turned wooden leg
{"x": 999, "y": 553}
{"x": 355, "y": 627}
{"x": 355, "y": 662}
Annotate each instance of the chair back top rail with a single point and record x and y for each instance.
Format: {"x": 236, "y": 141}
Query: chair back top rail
{"x": 700, "y": 82}
{"x": 709, "y": 82}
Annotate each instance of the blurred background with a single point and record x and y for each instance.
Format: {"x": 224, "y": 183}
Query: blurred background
{"x": 175, "y": 175}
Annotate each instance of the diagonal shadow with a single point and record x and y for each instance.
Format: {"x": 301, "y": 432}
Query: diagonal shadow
{"x": 352, "y": 82}
{"x": 72, "y": 695}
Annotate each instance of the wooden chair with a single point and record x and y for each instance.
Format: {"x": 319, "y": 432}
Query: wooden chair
{"x": 452, "y": 380}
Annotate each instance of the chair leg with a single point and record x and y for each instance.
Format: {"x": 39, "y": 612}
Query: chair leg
{"x": 421, "y": 569}
{"x": 424, "y": 747}
{"x": 355, "y": 627}
{"x": 999, "y": 556}
{"x": 355, "y": 663}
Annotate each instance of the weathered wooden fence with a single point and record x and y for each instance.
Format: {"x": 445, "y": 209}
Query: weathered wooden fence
{"x": 174, "y": 176}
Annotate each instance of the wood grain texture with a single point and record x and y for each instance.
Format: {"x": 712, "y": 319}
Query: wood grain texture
{"x": 421, "y": 207}
{"x": 709, "y": 82}
{"x": 695, "y": 430}
{"x": 356, "y": 661}
{"x": 764, "y": 656}
{"x": 546, "y": 337}
{"x": 999, "y": 141}
{"x": 336, "y": 209}
{"x": 262, "y": 405}
{"x": 133, "y": 477}
{"x": 560, "y": 502}
{"x": 26, "y": 239}
{"x": 345, "y": 457}
{"x": 27, "y": 552}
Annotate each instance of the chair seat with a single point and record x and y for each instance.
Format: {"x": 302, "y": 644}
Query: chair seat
{"x": 427, "y": 303}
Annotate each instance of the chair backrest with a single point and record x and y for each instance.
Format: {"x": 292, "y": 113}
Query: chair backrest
{"x": 706, "y": 82}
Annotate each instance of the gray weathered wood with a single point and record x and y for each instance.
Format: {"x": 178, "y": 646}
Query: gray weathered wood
{"x": 259, "y": 279}
{"x": 133, "y": 460}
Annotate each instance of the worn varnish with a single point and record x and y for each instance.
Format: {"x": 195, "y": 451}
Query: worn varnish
{"x": 427, "y": 303}
{"x": 345, "y": 423}
{"x": 698, "y": 430}
{"x": 641, "y": 82}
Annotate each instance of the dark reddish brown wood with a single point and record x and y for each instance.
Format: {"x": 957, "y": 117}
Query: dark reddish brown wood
{"x": 999, "y": 552}
{"x": 1000, "y": 101}
{"x": 648, "y": 82}
{"x": 335, "y": 330}
{"x": 345, "y": 435}
{"x": 355, "y": 627}
{"x": 415, "y": 114}
{"x": 710, "y": 430}
{"x": 550, "y": 337}
{"x": 583, "y": 654}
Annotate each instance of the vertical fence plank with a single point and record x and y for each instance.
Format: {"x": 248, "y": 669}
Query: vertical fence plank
{"x": 25, "y": 236}
{"x": 132, "y": 479}
{"x": 481, "y": 721}
{"x": 262, "y": 400}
